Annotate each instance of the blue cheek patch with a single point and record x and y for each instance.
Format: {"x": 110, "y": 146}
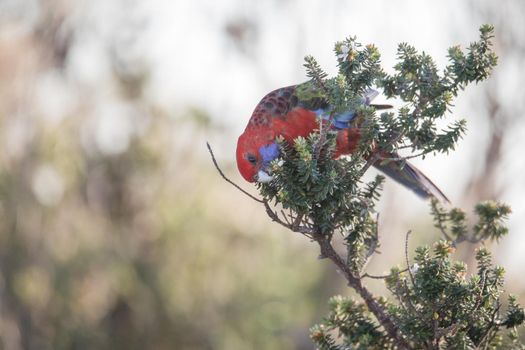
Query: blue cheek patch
{"x": 269, "y": 152}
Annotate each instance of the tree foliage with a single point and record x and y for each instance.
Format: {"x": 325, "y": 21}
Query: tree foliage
{"x": 433, "y": 303}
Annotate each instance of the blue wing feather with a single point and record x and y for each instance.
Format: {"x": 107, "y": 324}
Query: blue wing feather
{"x": 342, "y": 120}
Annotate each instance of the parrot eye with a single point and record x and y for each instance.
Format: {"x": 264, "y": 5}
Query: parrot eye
{"x": 251, "y": 158}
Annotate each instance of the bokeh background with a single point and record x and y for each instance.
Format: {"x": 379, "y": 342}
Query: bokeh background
{"x": 116, "y": 232}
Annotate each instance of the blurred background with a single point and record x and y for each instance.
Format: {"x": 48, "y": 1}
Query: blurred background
{"x": 116, "y": 232}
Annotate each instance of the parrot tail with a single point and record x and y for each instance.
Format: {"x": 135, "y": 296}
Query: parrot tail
{"x": 411, "y": 177}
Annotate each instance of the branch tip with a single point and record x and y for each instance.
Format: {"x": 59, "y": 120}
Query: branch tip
{"x": 227, "y": 179}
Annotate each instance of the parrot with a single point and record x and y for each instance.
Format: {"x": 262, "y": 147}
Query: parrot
{"x": 297, "y": 111}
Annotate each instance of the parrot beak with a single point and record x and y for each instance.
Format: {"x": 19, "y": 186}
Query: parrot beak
{"x": 268, "y": 153}
{"x": 263, "y": 177}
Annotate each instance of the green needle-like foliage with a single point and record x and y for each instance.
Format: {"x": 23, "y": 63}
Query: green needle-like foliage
{"x": 434, "y": 304}
{"x": 349, "y": 320}
{"x": 440, "y": 307}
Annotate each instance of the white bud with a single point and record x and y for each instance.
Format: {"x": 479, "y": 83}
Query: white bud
{"x": 414, "y": 268}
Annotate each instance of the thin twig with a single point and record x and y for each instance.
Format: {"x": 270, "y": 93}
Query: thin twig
{"x": 376, "y": 156}
{"x": 227, "y": 179}
{"x": 297, "y": 221}
{"x": 406, "y": 257}
{"x": 381, "y": 277}
{"x": 405, "y": 157}
{"x": 293, "y": 227}
{"x": 323, "y": 131}
{"x": 373, "y": 245}
{"x": 440, "y": 225}
{"x": 371, "y": 161}
{"x": 285, "y": 217}
{"x": 492, "y": 323}
{"x": 452, "y": 329}
{"x": 468, "y": 239}
{"x": 448, "y": 238}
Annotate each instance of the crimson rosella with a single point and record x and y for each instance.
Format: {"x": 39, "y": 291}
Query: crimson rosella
{"x": 297, "y": 110}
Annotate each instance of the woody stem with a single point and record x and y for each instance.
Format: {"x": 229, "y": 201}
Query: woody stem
{"x": 327, "y": 251}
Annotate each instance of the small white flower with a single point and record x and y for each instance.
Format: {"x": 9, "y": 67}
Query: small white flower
{"x": 414, "y": 268}
{"x": 344, "y": 52}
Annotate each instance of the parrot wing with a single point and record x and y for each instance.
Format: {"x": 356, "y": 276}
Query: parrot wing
{"x": 411, "y": 177}
{"x": 281, "y": 101}
{"x": 278, "y": 103}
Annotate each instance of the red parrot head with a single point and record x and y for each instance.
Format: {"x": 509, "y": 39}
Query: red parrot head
{"x": 255, "y": 151}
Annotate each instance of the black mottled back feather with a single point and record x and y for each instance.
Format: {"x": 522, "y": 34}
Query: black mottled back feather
{"x": 281, "y": 101}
